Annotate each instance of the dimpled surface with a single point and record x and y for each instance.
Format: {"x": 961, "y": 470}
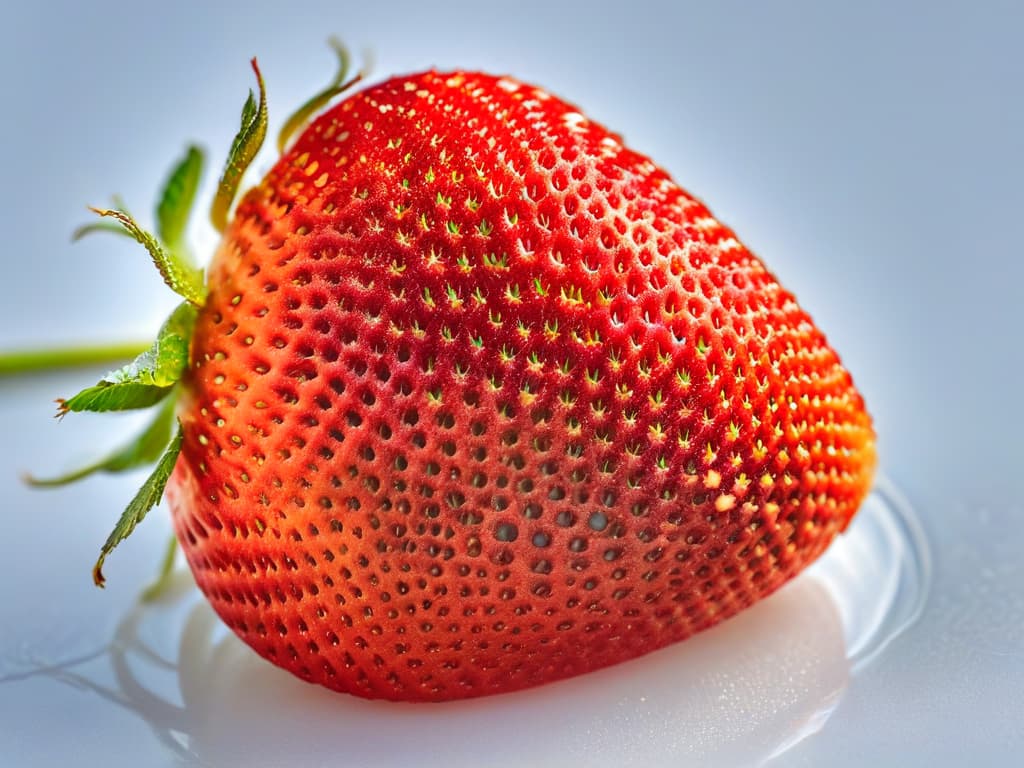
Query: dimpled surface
{"x": 482, "y": 399}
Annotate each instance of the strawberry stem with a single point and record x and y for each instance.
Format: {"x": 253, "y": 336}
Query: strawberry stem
{"x": 35, "y": 360}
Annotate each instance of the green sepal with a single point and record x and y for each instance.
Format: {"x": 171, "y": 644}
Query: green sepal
{"x": 176, "y": 199}
{"x": 163, "y": 578}
{"x": 149, "y": 496}
{"x": 181, "y": 276}
{"x": 246, "y": 144}
{"x": 100, "y": 226}
{"x": 149, "y": 377}
{"x": 338, "y": 85}
{"x": 113, "y": 397}
{"x": 145, "y": 448}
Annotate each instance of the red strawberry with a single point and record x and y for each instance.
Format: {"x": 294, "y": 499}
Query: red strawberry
{"x": 479, "y": 399}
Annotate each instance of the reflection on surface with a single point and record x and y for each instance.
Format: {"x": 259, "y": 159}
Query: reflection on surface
{"x": 732, "y": 695}
{"x": 879, "y": 573}
{"x": 737, "y": 694}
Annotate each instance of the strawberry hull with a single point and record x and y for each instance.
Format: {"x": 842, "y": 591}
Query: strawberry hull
{"x": 481, "y": 399}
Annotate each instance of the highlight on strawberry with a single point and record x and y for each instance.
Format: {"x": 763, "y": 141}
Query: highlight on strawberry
{"x": 471, "y": 397}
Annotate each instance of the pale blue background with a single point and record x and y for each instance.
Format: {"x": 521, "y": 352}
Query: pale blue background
{"x": 871, "y": 152}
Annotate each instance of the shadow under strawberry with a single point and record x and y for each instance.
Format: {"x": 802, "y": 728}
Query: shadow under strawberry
{"x": 734, "y": 695}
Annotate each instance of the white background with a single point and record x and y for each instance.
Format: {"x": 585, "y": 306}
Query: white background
{"x": 872, "y": 153}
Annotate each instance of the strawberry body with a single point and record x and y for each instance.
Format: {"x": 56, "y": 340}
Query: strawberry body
{"x": 481, "y": 399}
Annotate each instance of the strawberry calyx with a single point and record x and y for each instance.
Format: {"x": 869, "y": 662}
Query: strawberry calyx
{"x": 152, "y": 379}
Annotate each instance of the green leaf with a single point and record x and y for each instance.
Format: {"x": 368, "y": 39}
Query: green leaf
{"x": 143, "y": 449}
{"x": 149, "y": 377}
{"x": 182, "y": 276}
{"x": 247, "y": 143}
{"x": 300, "y": 116}
{"x": 149, "y": 496}
{"x": 176, "y": 200}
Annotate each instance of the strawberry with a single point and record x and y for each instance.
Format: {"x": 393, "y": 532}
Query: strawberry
{"x": 472, "y": 398}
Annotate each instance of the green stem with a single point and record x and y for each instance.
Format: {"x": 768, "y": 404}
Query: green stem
{"x": 31, "y": 360}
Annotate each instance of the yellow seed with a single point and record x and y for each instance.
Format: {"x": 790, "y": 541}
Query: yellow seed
{"x": 725, "y": 502}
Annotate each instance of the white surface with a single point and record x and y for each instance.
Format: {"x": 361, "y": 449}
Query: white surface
{"x": 736, "y": 695}
{"x": 870, "y": 152}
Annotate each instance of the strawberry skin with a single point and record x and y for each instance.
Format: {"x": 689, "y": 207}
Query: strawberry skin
{"x": 480, "y": 399}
